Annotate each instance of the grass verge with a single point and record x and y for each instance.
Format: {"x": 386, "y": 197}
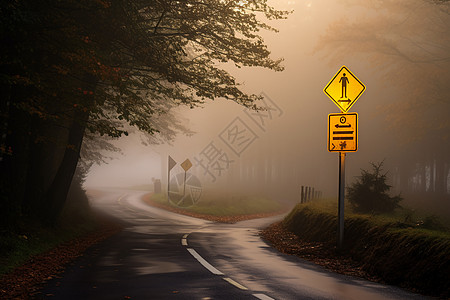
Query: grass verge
{"x": 33, "y": 254}
{"x": 398, "y": 248}
{"x": 222, "y": 209}
{"x": 30, "y": 238}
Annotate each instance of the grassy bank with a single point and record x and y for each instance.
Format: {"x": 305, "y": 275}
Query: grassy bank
{"x": 400, "y": 248}
{"x": 33, "y": 254}
{"x": 29, "y": 238}
{"x": 219, "y": 208}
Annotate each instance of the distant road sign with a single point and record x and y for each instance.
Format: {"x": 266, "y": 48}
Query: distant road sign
{"x": 172, "y": 163}
{"x": 186, "y": 165}
{"x": 343, "y": 132}
{"x": 344, "y": 89}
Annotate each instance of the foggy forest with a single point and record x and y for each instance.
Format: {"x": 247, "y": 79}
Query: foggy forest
{"x": 208, "y": 149}
{"x": 398, "y": 49}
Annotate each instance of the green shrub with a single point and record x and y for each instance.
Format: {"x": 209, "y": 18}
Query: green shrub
{"x": 369, "y": 194}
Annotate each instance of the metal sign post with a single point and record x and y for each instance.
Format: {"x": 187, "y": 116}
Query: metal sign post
{"x": 342, "y": 138}
{"x": 171, "y": 164}
{"x": 186, "y": 165}
{"x": 341, "y": 200}
{"x": 343, "y": 89}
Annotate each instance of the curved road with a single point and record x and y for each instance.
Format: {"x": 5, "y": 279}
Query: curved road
{"x": 162, "y": 255}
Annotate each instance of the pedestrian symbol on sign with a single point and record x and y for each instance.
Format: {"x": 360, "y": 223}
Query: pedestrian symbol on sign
{"x": 344, "y": 89}
{"x": 344, "y": 80}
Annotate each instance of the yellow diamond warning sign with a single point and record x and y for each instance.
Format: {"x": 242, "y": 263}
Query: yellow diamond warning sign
{"x": 343, "y": 132}
{"x": 186, "y": 165}
{"x": 344, "y": 89}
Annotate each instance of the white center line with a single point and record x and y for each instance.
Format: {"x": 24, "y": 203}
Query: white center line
{"x": 184, "y": 239}
{"x": 204, "y": 262}
{"x": 263, "y": 297}
{"x": 213, "y": 270}
{"x": 238, "y": 285}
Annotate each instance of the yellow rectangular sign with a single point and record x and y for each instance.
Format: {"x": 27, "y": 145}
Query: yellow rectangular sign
{"x": 343, "y": 132}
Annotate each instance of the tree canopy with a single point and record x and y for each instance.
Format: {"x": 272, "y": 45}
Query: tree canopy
{"x": 68, "y": 66}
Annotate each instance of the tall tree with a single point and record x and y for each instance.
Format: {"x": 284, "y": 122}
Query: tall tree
{"x": 67, "y": 66}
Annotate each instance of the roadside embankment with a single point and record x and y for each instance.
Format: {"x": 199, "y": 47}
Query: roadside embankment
{"x": 39, "y": 253}
{"x": 220, "y": 210}
{"x": 401, "y": 253}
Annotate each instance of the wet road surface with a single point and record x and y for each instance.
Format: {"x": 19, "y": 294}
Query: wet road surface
{"x": 162, "y": 255}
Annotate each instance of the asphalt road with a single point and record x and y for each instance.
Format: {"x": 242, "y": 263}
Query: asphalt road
{"x": 162, "y": 255}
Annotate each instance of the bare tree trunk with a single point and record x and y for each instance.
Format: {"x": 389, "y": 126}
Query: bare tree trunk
{"x": 44, "y": 160}
{"x": 423, "y": 180}
{"x": 57, "y": 193}
{"x": 441, "y": 179}
{"x": 14, "y": 162}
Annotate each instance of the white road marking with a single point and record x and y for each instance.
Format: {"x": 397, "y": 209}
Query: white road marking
{"x": 204, "y": 262}
{"x": 236, "y": 284}
{"x": 184, "y": 239}
{"x": 263, "y": 297}
{"x": 201, "y": 260}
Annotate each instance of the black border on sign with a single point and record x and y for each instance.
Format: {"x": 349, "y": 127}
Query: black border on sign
{"x": 357, "y": 97}
{"x": 328, "y": 132}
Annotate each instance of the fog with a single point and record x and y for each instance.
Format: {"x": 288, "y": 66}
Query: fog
{"x": 403, "y": 113}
